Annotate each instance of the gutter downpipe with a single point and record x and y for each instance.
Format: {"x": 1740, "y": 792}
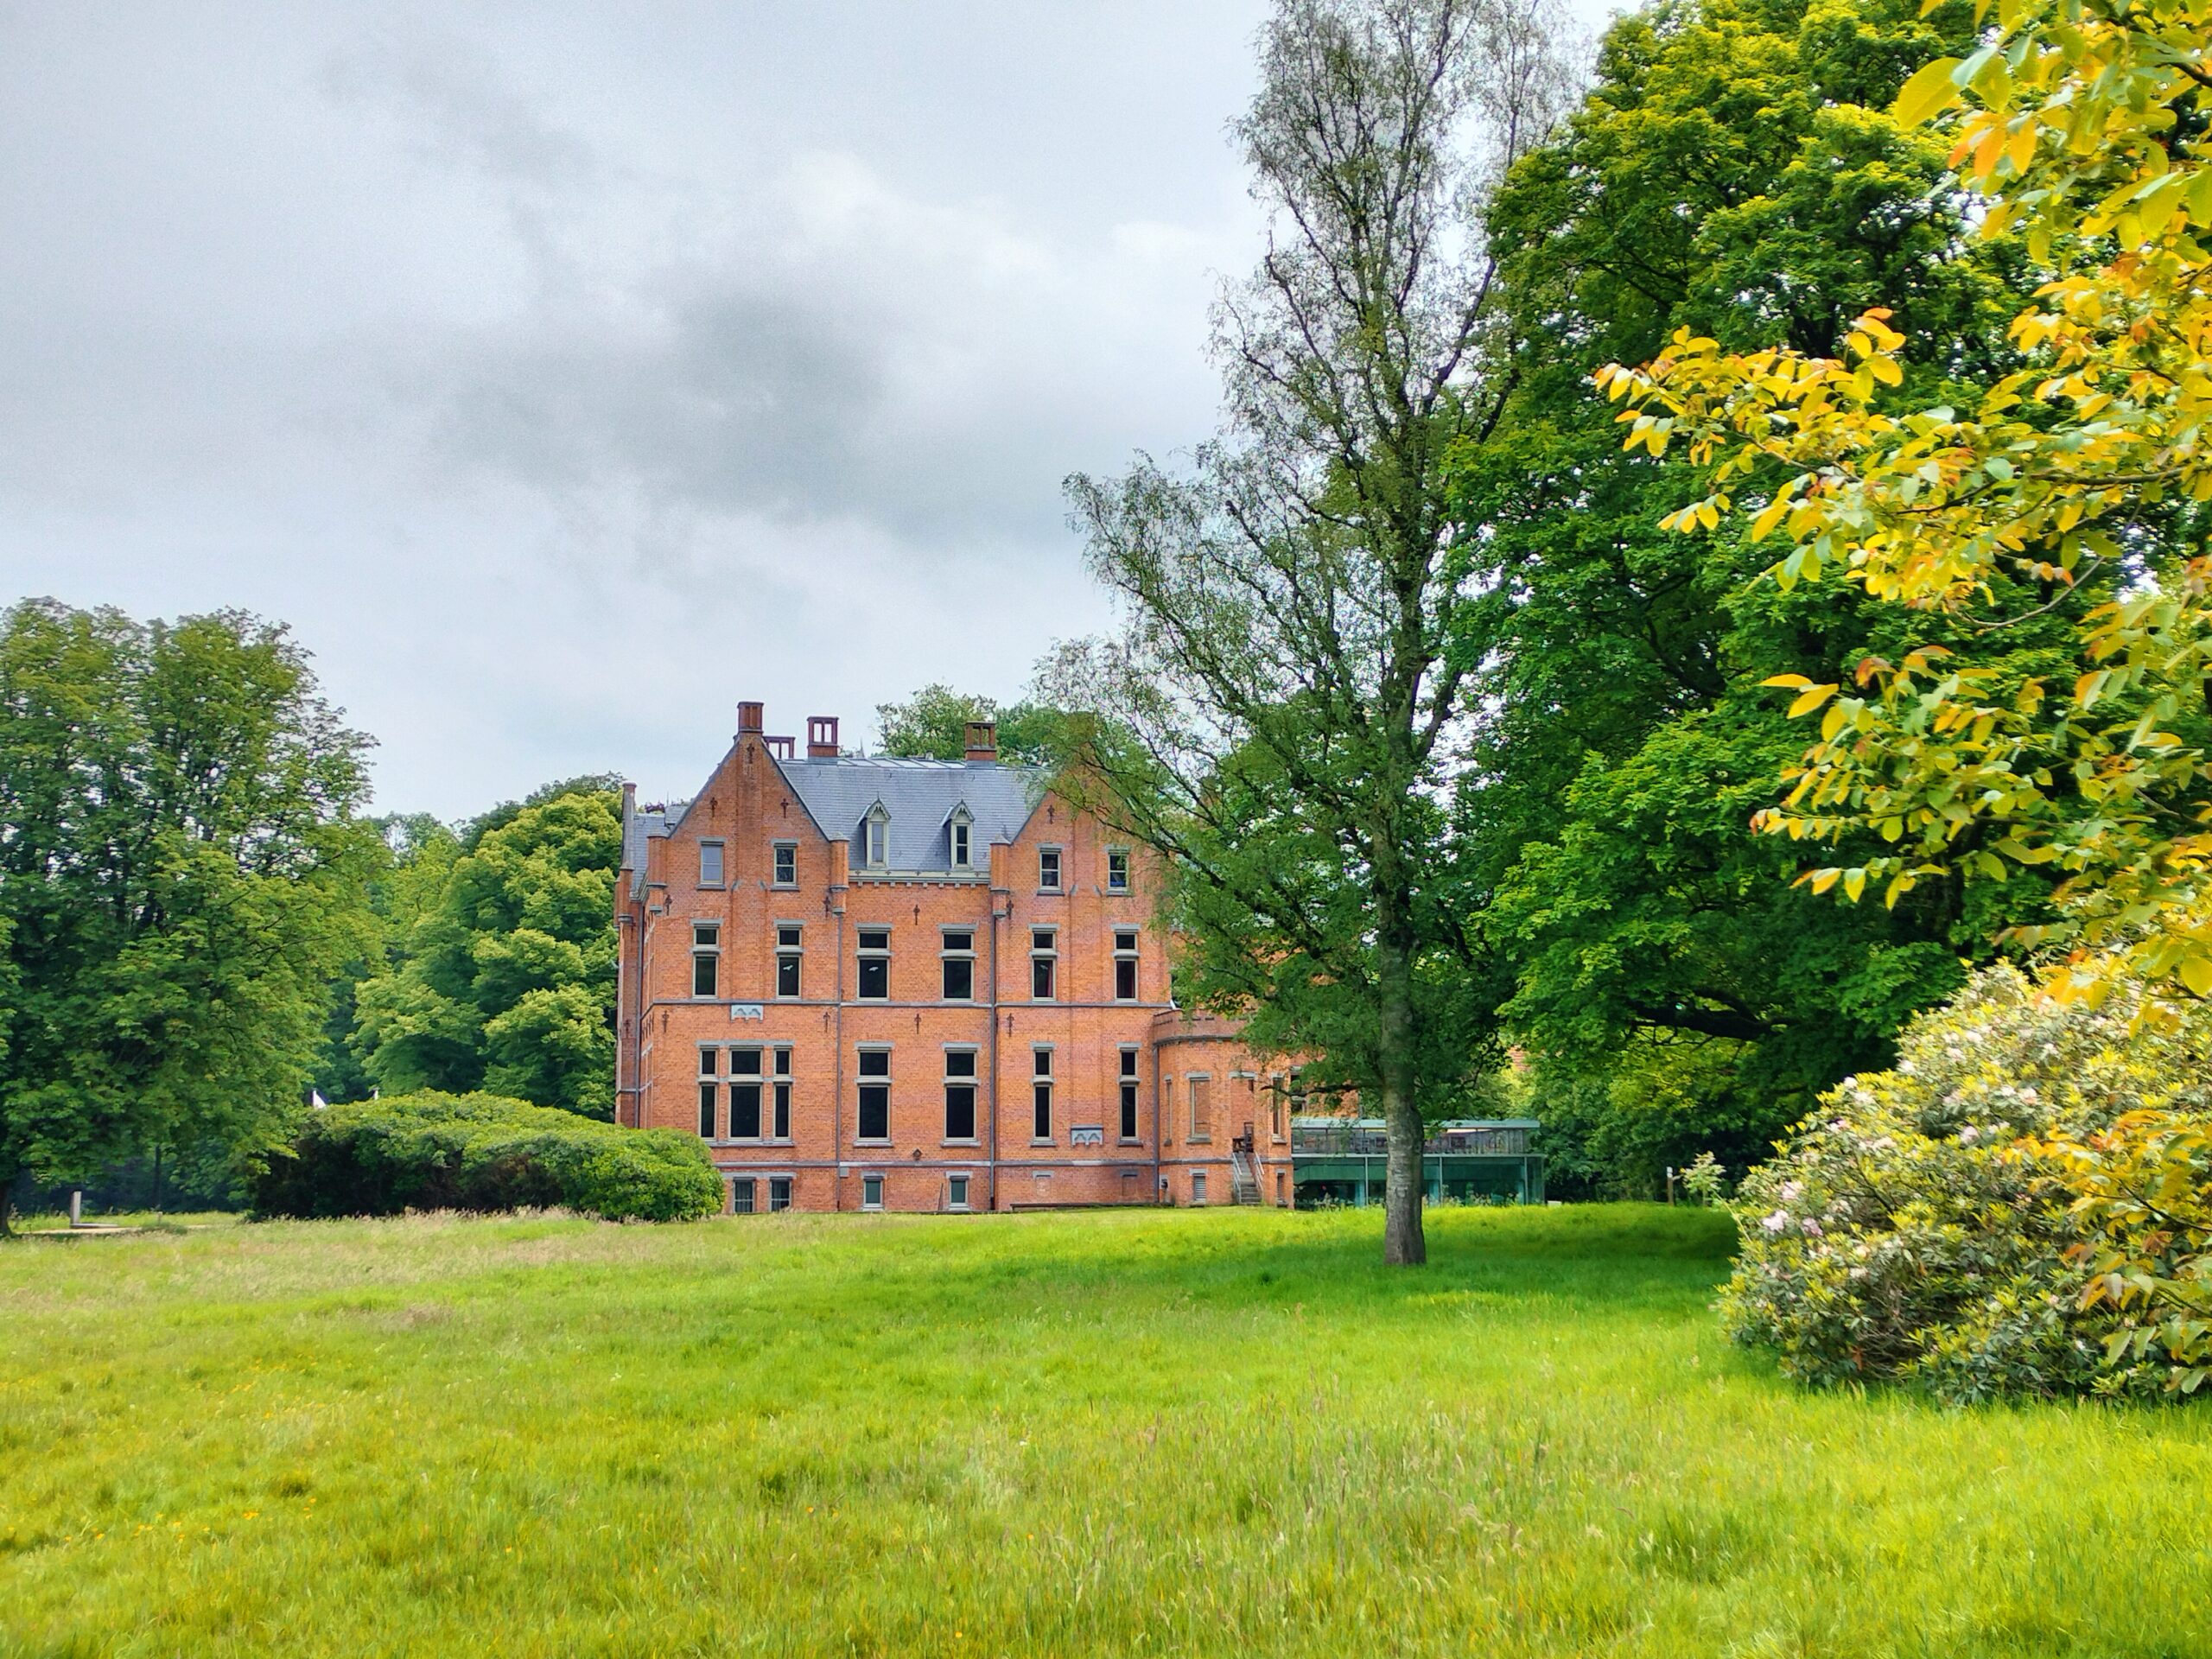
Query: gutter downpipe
{"x": 840, "y": 878}
{"x": 1000, "y": 856}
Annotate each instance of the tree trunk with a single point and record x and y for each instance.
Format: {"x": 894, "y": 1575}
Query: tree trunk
{"x": 1403, "y": 1242}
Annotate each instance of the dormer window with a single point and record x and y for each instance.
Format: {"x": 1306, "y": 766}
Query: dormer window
{"x": 961, "y": 828}
{"x": 875, "y": 837}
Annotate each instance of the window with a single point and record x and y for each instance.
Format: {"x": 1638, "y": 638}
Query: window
{"x": 875, "y": 1095}
{"x": 871, "y": 1191}
{"x": 1201, "y": 1109}
{"x": 1117, "y": 869}
{"x": 779, "y": 1192}
{"x": 1276, "y": 1107}
{"x": 741, "y": 1198}
{"x": 782, "y": 1121}
{"x": 710, "y": 863}
{"x": 709, "y": 1060}
{"x": 956, "y": 1192}
{"x": 788, "y": 958}
{"x": 960, "y": 1094}
{"x": 1040, "y": 1094}
{"x": 959, "y": 965}
{"x": 1043, "y": 958}
{"x": 1128, "y": 1094}
{"x": 962, "y": 841}
{"x": 745, "y": 1094}
{"x": 875, "y": 841}
{"x": 875, "y": 964}
{"x": 706, "y": 956}
{"x": 786, "y": 863}
{"x": 1125, "y": 964}
{"x": 1197, "y": 1186}
{"x": 1048, "y": 869}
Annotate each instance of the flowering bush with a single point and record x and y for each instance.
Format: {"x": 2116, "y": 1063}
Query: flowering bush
{"x": 1955, "y": 1223}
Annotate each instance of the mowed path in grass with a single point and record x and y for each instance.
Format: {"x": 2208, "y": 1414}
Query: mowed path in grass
{"x": 1155, "y": 1433}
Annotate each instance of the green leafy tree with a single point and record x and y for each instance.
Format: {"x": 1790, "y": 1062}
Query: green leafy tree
{"x": 932, "y": 725}
{"x": 507, "y": 979}
{"x": 1286, "y": 674}
{"x": 415, "y": 853}
{"x": 181, "y": 876}
{"x": 2080, "y": 129}
{"x": 1734, "y": 169}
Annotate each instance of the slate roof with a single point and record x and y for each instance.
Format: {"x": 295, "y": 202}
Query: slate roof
{"x": 920, "y": 796}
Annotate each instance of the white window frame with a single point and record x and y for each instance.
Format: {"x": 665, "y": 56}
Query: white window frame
{"x": 1060, "y": 858}
{"x": 864, "y": 1080}
{"x": 872, "y": 953}
{"x": 957, "y": 1188}
{"x": 1134, "y": 955}
{"x": 711, "y": 1077}
{"x": 706, "y": 942}
{"x": 876, "y": 1182}
{"x": 795, "y": 952}
{"x": 1128, "y": 1091}
{"x": 960, "y": 839}
{"x": 1045, "y": 953}
{"x": 1041, "y": 1089}
{"x": 722, "y": 863}
{"x": 947, "y": 952}
{"x": 875, "y": 838}
{"x": 1119, "y": 854}
{"x": 777, "y": 849}
{"x": 972, "y": 1080}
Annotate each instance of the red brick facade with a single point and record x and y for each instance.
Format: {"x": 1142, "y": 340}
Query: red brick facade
{"x": 794, "y": 943}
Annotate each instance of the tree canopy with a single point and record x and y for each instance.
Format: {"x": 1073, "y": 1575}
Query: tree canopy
{"x": 2080, "y": 129}
{"x": 181, "y": 875}
{"x": 1731, "y": 166}
{"x": 932, "y": 725}
{"x": 506, "y": 982}
{"x": 1283, "y": 704}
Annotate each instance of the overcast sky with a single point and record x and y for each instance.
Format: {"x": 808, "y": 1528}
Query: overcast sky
{"x": 564, "y": 372}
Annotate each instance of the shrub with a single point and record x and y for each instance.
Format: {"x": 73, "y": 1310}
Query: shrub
{"x": 433, "y": 1151}
{"x": 1951, "y": 1224}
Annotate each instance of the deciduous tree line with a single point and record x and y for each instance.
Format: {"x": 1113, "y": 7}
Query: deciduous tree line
{"x": 1457, "y": 715}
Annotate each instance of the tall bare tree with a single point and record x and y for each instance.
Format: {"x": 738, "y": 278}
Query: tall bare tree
{"x": 1283, "y": 699}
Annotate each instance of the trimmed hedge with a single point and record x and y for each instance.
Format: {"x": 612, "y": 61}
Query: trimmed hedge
{"x": 433, "y": 1151}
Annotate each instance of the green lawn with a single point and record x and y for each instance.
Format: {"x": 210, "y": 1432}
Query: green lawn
{"x": 1223, "y": 1432}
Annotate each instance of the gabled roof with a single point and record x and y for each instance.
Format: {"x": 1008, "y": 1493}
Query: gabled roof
{"x": 919, "y": 795}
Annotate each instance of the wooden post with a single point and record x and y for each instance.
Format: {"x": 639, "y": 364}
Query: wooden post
{"x": 76, "y": 1208}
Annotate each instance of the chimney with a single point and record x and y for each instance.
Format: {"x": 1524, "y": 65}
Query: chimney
{"x": 822, "y": 737}
{"x": 983, "y": 742}
{"x": 749, "y": 718}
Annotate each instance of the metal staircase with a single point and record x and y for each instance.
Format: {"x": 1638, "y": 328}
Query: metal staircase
{"x": 1244, "y": 1168}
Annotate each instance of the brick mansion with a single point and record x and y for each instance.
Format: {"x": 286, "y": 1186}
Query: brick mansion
{"x": 920, "y": 985}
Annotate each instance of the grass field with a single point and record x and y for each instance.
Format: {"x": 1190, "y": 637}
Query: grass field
{"x": 1223, "y": 1432}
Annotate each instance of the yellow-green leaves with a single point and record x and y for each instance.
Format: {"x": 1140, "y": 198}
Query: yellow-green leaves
{"x": 1927, "y": 94}
{"x": 2071, "y": 123}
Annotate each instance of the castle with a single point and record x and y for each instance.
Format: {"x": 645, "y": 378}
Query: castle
{"x": 920, "y": 985}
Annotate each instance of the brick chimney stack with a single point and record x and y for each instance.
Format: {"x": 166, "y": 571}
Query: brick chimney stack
{"x": 822, "y": 737}
{"x": 749, "y": 718}
{"x": 983, "y": 742}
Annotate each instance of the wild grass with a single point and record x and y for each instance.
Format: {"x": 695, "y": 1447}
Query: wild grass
{"x": 1140, "y": 1432}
